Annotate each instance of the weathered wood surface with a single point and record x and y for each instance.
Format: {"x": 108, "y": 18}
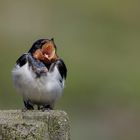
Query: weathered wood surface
{"x": 34, "y": 125}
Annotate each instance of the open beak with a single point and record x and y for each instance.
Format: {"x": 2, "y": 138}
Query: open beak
{"x": 47, "y": 53}
{"x": 48, "y": 50}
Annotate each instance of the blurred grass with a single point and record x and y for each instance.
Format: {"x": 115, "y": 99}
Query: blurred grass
{"x": 99, "y": 41}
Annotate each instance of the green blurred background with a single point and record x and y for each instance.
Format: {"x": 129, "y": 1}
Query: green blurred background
{"x": 100, "y": 43}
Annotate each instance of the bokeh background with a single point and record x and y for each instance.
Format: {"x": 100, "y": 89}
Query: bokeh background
{"x": 100, "y": 43}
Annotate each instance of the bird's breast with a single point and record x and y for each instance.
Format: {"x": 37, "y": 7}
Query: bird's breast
{"x": 46, "y": 88}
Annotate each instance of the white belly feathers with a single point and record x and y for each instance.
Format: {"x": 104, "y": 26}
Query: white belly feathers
{"x": 39, "y": 90}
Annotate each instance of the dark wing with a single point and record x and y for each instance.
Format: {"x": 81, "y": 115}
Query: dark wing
{"x": 61, "y": 67}
{"x": 22, "y": 60}
{"x": 27, "y": 57}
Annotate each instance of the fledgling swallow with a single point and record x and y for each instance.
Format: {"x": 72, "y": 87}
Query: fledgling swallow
{"x": 39, "y": 75}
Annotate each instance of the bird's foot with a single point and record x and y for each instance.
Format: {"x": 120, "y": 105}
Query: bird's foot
{"x": 28, "y": 105}
{"x": 46, "y": 108}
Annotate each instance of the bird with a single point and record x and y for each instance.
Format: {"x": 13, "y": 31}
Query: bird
{"x": 39, "y": 75}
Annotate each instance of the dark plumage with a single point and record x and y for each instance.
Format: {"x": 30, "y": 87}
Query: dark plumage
{"x": 39, "y": 75}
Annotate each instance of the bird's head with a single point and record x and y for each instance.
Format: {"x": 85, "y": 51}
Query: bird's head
{"x": 44, "y": 50}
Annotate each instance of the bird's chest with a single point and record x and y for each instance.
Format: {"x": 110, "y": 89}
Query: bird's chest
{"x": 42, "y": 89}
{"x": 38, "y": 89}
